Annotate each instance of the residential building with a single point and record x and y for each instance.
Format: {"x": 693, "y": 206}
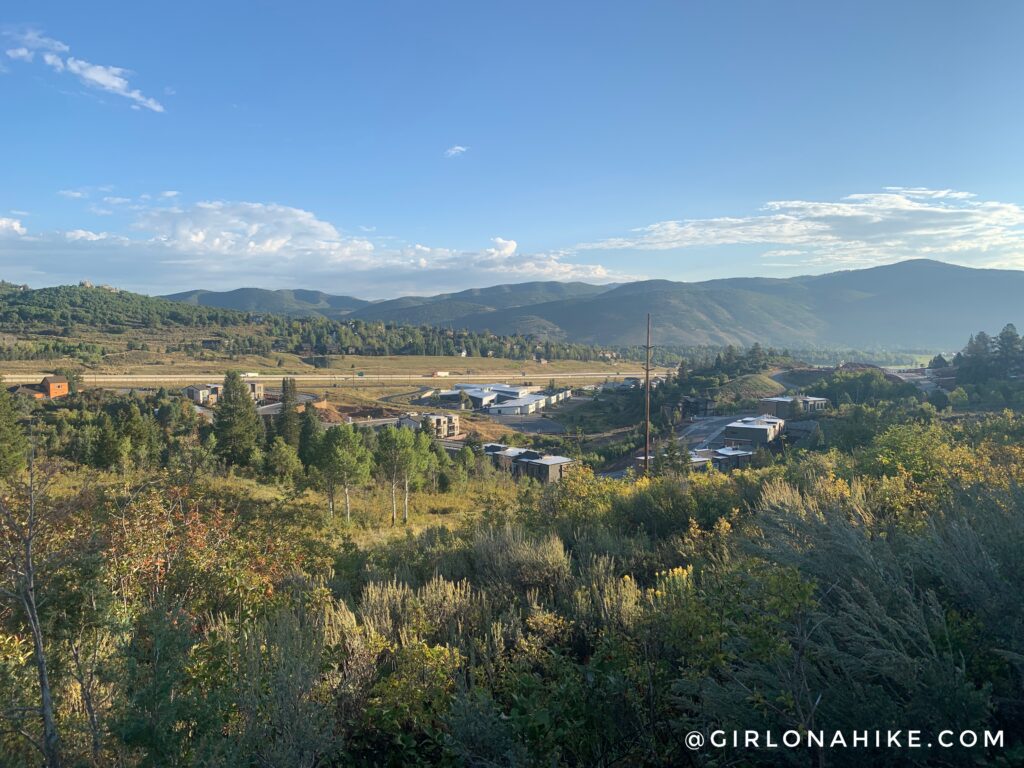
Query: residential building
{"x": 545, "y": 469}
{"x": 55, "y": 386}
{"x": 723, "y": 459}
{"x": 755, "y": 431}
{"x": 51, "y": 387}
{"x": 199, "y": 393}
{"x": 443, "y": 426}
{"x": 525, "y": 462}
{"x": 790, "y": 406}
{"x": 208, "y": 394}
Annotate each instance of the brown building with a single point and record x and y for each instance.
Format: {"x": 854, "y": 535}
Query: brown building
{"x": 50, "y": 387}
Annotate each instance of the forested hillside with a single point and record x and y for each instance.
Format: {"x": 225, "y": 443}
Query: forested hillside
{"x": 910, "y": 305}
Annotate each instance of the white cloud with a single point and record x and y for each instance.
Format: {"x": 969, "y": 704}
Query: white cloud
{"x": 503, "y": 261}
{"x": 109, "y": 200}
{"x": 111, "y": 79}
{"x": 9, "y": 226}
{"x": 101, "y": 77}
{"x": 222, "y": 244}
{"x": 84, "y": 234}
{"x": 169, "y": 193}
{"x": 37, "y": 41}
{"x": 455, "y": 151}
{"x": 74, "y": 194}
{"x": 55, "y": 61}
{"x": 857, "y": 230}
{"x": 252, "y": 233}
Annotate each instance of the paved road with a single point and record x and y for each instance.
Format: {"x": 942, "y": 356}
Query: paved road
{"x": 704, "y": 431}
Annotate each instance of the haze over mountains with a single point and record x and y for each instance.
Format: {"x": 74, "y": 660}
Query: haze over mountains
{"x": 912, "y": 304}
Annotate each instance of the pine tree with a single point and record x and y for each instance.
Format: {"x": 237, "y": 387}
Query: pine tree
{"x": 310, "y": 434}
{"x": 13, "y": 445}
{"x": 288, "y": 422}
{"x": 236, "y": 423}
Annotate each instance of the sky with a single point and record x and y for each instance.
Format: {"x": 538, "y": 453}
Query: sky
{"x": 405, "y": 147}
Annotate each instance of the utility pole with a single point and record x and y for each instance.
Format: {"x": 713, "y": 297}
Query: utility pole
{"x": 647, "y": 402}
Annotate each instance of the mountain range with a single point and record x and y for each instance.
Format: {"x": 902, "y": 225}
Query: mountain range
{"x": 918, "y": 303}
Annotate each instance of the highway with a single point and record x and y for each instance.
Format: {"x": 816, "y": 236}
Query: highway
{"x": 135, "y": 379}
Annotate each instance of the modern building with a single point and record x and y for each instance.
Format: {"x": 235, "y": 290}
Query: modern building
{"x": 723, "y": 459}
{"x": 525, "y": 462}
{"x": 521, "y": 406}
{"x": 208, "y": 394}
{"x": 443, "y": 426}
{"x": 545, "y": 469}
{"x": 755, "y": 431}
{"x": 478, "y": 398}
{"x": 790, "y": 406}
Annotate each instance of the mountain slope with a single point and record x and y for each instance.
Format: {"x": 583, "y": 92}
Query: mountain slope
{"x": 286, "y": 302}
{"x": 449, "y": 308}
{"x": 912, "y": 304}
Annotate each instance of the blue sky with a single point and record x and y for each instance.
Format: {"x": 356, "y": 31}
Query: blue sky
{"x": 410, "y": 147}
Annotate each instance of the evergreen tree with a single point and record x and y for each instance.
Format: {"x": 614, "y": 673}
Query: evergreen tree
{"x": 13, "y": 445}
{"x": 310, "y": 434}
{"x": 288, "y": 422}
{"x": 236, "y": 423}
{"x": 282, "y": 461}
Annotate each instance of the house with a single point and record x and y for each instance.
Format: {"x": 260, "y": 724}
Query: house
{"x": 208, "y": 394}
{"x": 198, "y": 393}
{"x": 443, "y": 426}
{"x": 55, "y": 386}
{"x": 755, "y": 431}
{"x": 545, "y": 469}
{"x": 525, "y": 462}
{"x": 255, "y": 390}
{"x": 51, "y": 387}
{"x": 722, "y": 459}
{"x": 790, "y": 406}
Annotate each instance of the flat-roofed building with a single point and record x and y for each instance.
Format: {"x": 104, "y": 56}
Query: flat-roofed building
{"x": 526, "y": 462}
{"x": 756, "y": 431}
{"x": 520, "y": 406}
{"x": 791, "y": 406}
{"x": 443, "y": 426}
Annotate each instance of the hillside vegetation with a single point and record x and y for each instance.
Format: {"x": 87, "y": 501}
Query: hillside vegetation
{"x": 918, "y": 304}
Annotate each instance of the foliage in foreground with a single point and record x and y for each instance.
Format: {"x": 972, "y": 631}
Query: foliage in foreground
{"x": 195, "y": 618}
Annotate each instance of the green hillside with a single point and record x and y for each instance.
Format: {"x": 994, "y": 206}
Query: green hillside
{"x": 300, "y": 303}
